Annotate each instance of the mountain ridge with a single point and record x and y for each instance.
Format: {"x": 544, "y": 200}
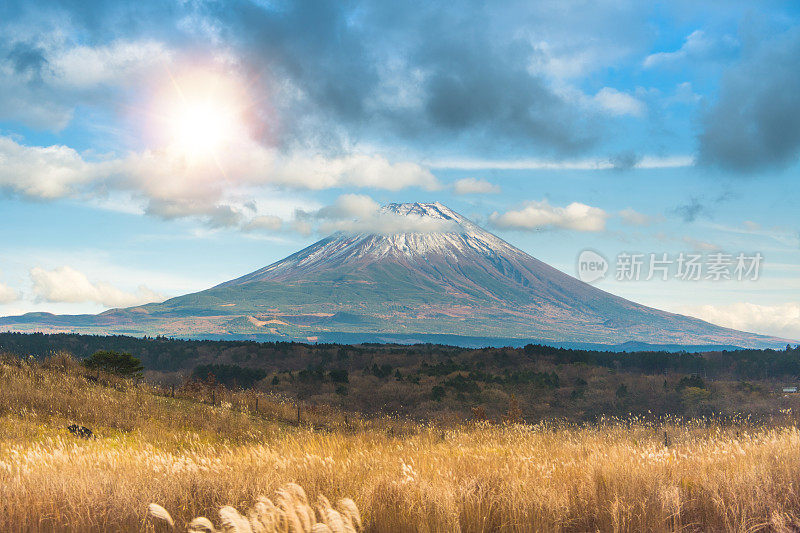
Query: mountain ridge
{"x": 441, "y": 274}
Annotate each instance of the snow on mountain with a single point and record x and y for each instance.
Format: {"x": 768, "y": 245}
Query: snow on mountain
{"x": 455, "y": 239}
{"x": 424, "y": 269}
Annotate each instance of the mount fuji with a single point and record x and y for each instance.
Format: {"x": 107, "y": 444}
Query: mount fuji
{"x": 432, "y": 276}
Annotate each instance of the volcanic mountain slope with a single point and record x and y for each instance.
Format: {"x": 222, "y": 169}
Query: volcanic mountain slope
{"x": 445, "y": 275}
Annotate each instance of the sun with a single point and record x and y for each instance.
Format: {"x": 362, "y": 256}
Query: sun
{"x": 199, "y": 113}
{"x": 201, "y": 125}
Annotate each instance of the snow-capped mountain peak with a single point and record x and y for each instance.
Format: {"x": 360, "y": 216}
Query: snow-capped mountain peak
{"x": 412, "y": 233}
{"x": 421, "y": 268}
{"x": 429, "y": 210}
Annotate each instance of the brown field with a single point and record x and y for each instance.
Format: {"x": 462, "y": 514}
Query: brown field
{"x": 192, "y": 458}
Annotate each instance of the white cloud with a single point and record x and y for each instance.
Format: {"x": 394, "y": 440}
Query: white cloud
{"x": 29, "y": 106}
{"x": 8, "y": 295}
{"x": 697, "y": 46}
{"x": 475, "y": 186}
{"x": 751, "y": 226}
{"x": 357, "y": 170}
{"x": 85, "y": 66}
{"x": 350, "y": 206}
{"x": 65, "y": 284}
{"x": 44, "y": 93}
{"x": 645, "y": 162}
{"x": 356, "y": 213}
{"x": 618, "y": 103}
{"x": 675, "y": 161}
{"x": 303, "y": 227}
{"x": 699, "y": 245}
{"x": 694, "y": 41}
{"x": 563, "y": 62}
{"x": 43, "y": 172}
{"x": 782, "y": 320}
{"x": 634, "y": 218}
{"x": 541, "y": 215}
{"x": 173, "y": 185}
{"x": 684, "y": 94}
{"x": 267, "y": 222}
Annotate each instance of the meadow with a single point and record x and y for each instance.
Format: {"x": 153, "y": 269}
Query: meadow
{"x": 193, "y": 456}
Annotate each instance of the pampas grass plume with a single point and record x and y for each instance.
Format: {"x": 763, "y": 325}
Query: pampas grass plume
{"x": 160, "y": 517}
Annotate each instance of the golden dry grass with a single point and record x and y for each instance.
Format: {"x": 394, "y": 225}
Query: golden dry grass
{"x": 193, "y": 459}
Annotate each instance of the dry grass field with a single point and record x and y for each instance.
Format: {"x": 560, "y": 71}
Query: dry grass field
{"x": 192, "y": 458}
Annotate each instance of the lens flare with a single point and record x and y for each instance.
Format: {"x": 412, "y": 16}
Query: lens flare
{"x": 199, "y": 113}
{"x": 201, "y": 125}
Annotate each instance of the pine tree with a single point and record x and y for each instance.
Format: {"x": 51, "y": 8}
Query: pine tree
{"x": 120, "y": 363}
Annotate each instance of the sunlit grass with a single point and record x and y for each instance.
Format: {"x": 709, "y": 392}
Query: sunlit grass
{"x": 193, "y": 458}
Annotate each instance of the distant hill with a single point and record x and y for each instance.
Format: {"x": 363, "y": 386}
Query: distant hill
{"x": 429, "y": 381}
{"x": 445, "y": 277}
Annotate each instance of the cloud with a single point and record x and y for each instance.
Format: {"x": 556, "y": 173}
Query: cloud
{"x": 174, "y": 190}
{"x": 564, "y": 60}
{"x": 698, "y": 48}
{"x": 356, "y": 213}
{"x": 692, "y": 210}
{"x": 684, "y": 94}
{"x": 8, "y": 295}
{"x": 23, "y": 96}
{"x": 43, "y": 172}
{"x": 625, "y": 160}
{"x": 755, "y": 123}
{"x": 265, "y": 222}
{"x": 356, "y": 170}
{"x": 700, "y": 246}
{"x": 399, "y": 72}
{"x": 65, "y": 284}
{"x": 350, "y": 206}
{"x": 541, "y": 215}
{"x": 615, "y": 162}
{"x": 41, "y": 83}
{"x": 782, "y": 320}
{"x": 172, "y": 185}
{"x": 618, "y": 103}
{"x": 27, "y": 58}
{"x": 632, "y": 217}
{"x": 214, "y": 215}
{"x": 87, "y": 67}
{"x": 474, "y": 186}
{"x": 749, "y": 225}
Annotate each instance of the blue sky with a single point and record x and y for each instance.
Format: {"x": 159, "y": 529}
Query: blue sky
{"x": 148, "y": 149}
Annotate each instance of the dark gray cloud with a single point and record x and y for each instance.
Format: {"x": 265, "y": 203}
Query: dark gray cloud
{"x": 625, "y": 160}
{"x": 703, "y": 207}
{"x": 692, "y": 210}
{"x": 755, "y": 123}
{"x": 475, "y": 84}
{"x": 27, "y": 58}
{"x": 314, "y": 48}
{"x": 338, "y": 73}
{"x": 348, "y": 60}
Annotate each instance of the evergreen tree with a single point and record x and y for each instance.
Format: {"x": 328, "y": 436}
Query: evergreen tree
{"x": 121, "y": 363}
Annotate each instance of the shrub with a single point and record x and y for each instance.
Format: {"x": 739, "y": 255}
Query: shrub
{"x": 437, "y": 393}
{"x": 690, "y": 381}
{"x": 231, "y": 375}
{"x": 339, "y": 376}
{"x": 120, "y": 363}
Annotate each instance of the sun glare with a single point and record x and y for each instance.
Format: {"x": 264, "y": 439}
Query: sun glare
{"x": 199, "y": 113}
{"x": 202, "y": 125}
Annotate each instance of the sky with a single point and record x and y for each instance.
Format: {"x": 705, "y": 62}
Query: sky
{"x": 154, "y": 148}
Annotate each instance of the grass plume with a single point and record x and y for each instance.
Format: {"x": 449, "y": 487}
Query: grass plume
{"x": 194, "y": 459}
